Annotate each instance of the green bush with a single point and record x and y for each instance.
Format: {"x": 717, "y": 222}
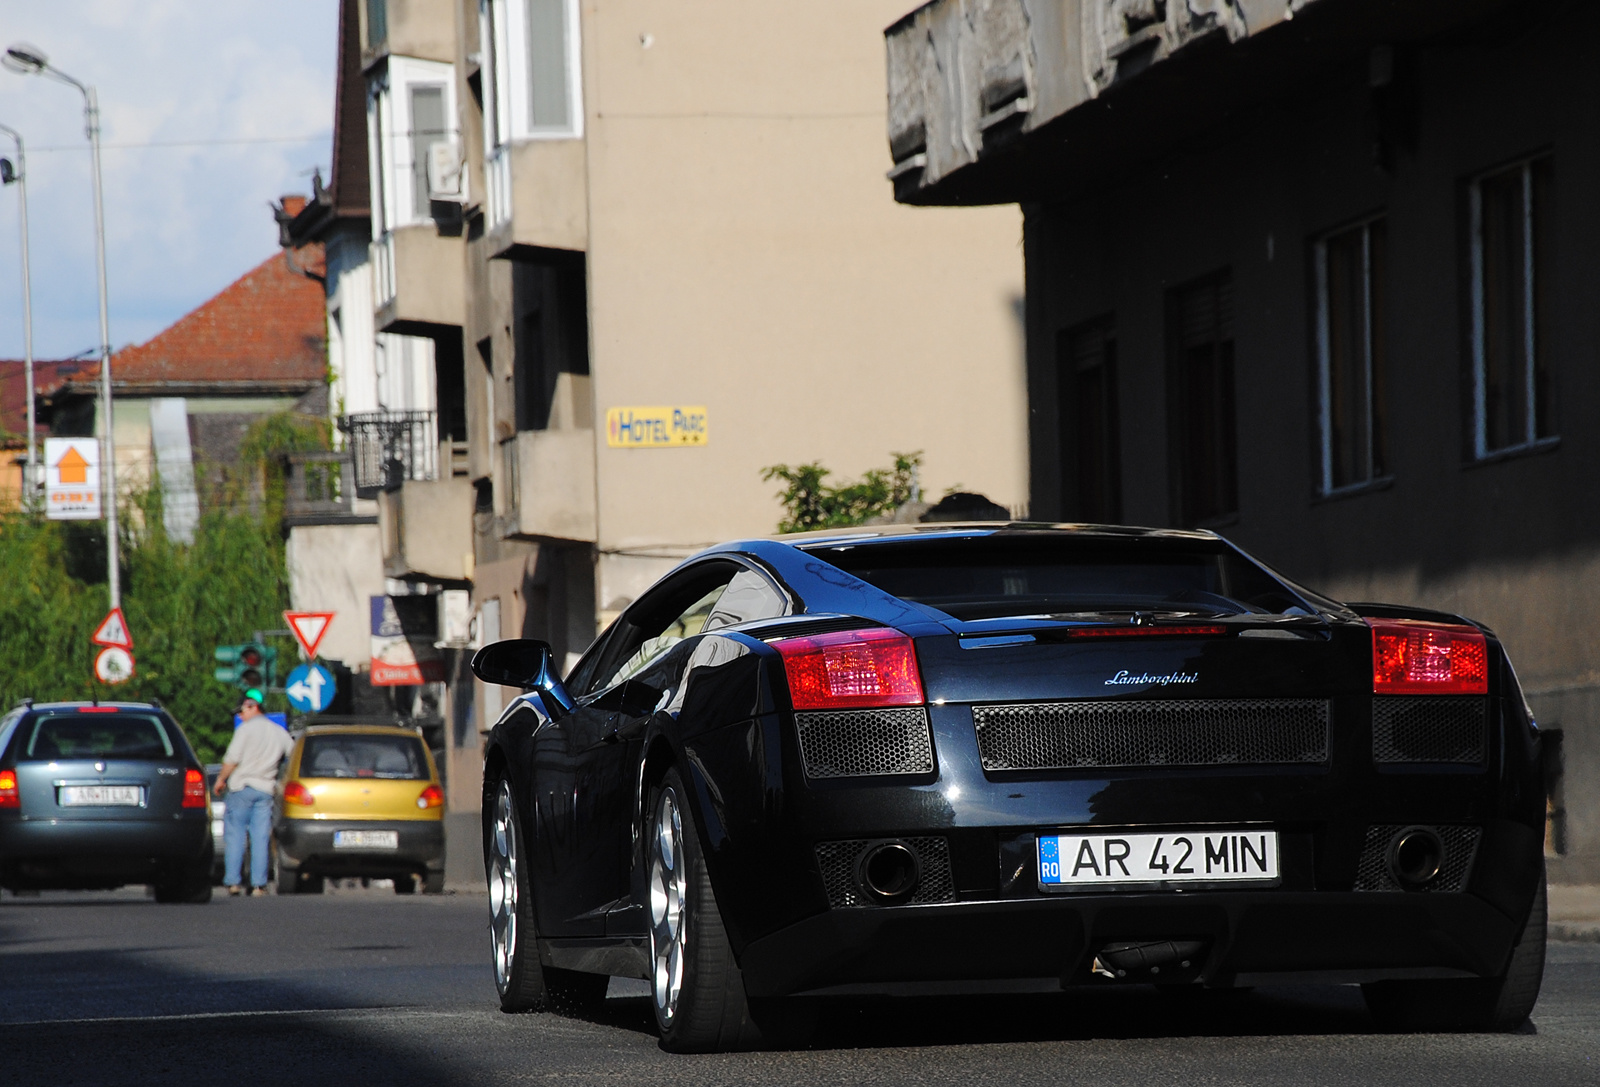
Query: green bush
{"x": 181, "y": 600}
{"x": 811, "y": 502}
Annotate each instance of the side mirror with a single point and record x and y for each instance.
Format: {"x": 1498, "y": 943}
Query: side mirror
{"x": 524, "y": 663}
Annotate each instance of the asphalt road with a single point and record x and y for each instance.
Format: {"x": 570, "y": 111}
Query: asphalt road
{"x": 366, "y": 987}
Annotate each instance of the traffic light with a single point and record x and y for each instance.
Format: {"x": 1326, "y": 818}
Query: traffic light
{"x": 249, "y": 665}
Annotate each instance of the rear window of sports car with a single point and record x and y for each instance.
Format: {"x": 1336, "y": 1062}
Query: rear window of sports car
{"x": 95, "y": 736}
{"x": 991, "y": 576}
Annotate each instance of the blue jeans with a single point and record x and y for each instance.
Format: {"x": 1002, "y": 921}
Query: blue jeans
{"x": 247, "y": 811}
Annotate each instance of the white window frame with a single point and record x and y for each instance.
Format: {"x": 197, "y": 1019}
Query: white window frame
{"x": 503, "y": 30}
{"x": 1325, "y": 356}
{"x": 1480, "y": 409}
{"x": 392, "y": 179}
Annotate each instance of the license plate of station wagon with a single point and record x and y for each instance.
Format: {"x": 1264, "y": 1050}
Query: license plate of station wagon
{"x": 366, "y": 839}
{"x": 100, "y": 796}
{"x": 1159, "y": 857}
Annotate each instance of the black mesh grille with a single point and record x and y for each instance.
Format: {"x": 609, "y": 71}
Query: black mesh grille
{"x": 1061, "y": 735}
{"x": 838, "y": 863}
{"x": 1429, "y": 729}
{"x": 1460, "y": 846}
{"x": 857, "y": 743}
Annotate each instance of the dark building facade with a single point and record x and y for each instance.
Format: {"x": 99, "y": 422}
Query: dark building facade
{"x": 1318, "y": 275}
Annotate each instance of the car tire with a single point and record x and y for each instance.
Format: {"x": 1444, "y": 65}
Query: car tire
{"x": 697, "y": 991}
{"x": 1497, "y": 1005}
{"x": 405, "y": 885}
{"x": 523, "y": 982}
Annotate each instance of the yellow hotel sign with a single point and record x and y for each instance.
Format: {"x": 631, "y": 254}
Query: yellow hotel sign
{"x": 655, "y": 427}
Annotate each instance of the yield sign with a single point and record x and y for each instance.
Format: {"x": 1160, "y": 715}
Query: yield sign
{"x": 309, "y": 627}
{"x": 113, "y": 631}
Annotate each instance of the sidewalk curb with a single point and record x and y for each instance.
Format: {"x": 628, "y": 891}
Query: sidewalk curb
{"x": 1586, "y": 932}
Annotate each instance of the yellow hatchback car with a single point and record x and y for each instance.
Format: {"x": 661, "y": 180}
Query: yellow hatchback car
{"x": 360, "y": 800}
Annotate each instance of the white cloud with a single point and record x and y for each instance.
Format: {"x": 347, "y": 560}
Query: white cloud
{"x": 182, "y": 222}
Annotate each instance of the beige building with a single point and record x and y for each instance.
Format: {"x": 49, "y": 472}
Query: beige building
{"x": 600, "y": 212}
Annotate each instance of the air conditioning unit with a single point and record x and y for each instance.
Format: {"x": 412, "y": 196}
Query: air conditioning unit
{"x": 447, "y": 173}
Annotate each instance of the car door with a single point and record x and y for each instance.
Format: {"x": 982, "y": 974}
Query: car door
{"x": 604, "y": 734}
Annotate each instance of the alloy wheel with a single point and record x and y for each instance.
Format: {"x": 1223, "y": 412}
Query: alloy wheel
{"x": 503, "y": 889}
{"x": 668, "y": 887}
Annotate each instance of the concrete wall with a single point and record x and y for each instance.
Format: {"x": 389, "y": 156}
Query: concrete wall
{"x": 338, "y": 568}
{"x": 1514, "y": 542}
{"x": 746, "y": 254}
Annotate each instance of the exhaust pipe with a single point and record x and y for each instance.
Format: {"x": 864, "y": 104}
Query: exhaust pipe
{"x": 1415, "y": 856}
{"x": 888, "y": 872}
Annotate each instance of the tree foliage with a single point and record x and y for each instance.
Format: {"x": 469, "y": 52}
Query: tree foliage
{"x": 811, "y": 502}
{"x": 181, "y": 600}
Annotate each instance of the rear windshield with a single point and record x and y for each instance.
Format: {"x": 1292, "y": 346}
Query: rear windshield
{"x": 96, "y": 736}
{"x": 991, "y": 576}
{"x": 364, "y": 757}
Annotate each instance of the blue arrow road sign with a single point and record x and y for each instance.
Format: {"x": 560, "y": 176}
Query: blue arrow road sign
{"x": 310, "y": 688}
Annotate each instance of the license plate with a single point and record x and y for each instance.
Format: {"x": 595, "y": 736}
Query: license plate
{"x": 1163, "y": 857}
{"x": 100, "y": 796}
{"x": 366, "y": 839}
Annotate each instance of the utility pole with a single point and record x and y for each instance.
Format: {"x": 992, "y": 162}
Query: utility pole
{"x": 31, "y": 60}
{"x": 30, "y": 482}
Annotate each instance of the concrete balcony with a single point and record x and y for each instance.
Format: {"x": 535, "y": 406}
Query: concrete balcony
{"x": 406, "y": 28}
{"x": 552, "y": 485}
{"x": 320, "y": 489}
{"x": 418, "y": 281}
{"x": 538, "y": 197}
{"x": 426, "y": 526}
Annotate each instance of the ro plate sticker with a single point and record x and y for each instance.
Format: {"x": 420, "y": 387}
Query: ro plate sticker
{"x": 1178, "y": 856}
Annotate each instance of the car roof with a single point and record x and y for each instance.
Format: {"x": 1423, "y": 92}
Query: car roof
{"x": 103, "y": 705}
{"x": 971, "y": 529}
{"x": 375, "y": 729}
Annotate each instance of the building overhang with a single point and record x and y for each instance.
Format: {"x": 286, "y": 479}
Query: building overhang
{"x": 1034, "y": 100}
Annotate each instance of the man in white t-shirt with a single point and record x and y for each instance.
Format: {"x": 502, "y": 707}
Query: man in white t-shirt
{"x": 249, "y": 774}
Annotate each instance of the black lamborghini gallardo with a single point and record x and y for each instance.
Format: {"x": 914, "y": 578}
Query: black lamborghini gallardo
{"x": 1016, "y": 758}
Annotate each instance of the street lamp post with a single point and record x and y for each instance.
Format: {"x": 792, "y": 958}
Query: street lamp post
{"x": 19, "y": 175}
{"x": 30, "y": 60}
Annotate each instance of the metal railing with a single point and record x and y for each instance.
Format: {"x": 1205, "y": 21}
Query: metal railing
{"x": 390, "y": 447}
{"x": 319, "y": 485}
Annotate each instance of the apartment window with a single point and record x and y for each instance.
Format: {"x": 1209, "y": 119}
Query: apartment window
{"x": 548, "y": 76}
{"x": 1086, "y": 360}
{"x": 530, "y": 52}
{"x": 410, "y": 107}
{"x": 1351, "y": 273}
{"x": 377, "y": 23}
{"x": 427, "y": 129}
{"x": 1202, "y": 438}
{"x": 1511, "y": 382}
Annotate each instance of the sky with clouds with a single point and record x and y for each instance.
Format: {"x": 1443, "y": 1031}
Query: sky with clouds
{"x": 210, "y": 111}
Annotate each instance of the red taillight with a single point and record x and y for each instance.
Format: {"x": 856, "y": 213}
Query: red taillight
{"x": 432, "y": 797}
{"x": 1169, "y": 630}
{"x": 296, "y": 793}
{"x": 853, "y": 668}
{"x": 97, "y": 709}
{"x": 1410, "y": 656}
{"x": 194, "y": 789}
{"x": 9, "y": 798}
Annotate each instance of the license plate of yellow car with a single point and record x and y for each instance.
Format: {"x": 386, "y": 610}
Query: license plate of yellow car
{"x": 366, "y": 839}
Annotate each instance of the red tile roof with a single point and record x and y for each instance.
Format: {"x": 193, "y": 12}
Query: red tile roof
{"x": 49, "y": 375}
{"x": 268, "y": 326}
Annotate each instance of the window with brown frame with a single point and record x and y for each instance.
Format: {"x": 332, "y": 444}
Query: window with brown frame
{"x": 1091, "y": 463}
{"x": 1351, "y": 273}
{"x": 1201, "y": 412}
